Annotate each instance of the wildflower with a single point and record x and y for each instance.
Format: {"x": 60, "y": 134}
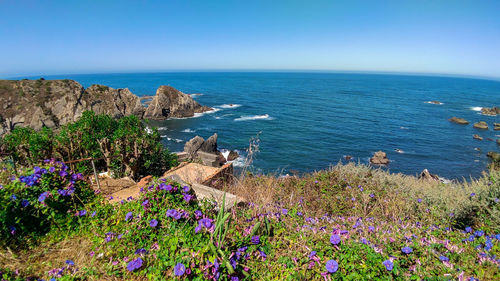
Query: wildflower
{"x": 134, "y": 264}
{"x": 332, "y": 266}
{"x": 312, "y": 254}
{"x": 371, "y": 228}
{"x": 468, "y": 229}
{"x": 43, "y": 196}
{"x": 52, "y": 169}
{"x": 388, "y": 265}
{"x": 206, "y": 223}
{"x": 179, "y": 269}
{"x": 185, "y": 189}
{"x": 128, "y": 216}
{"x": 472, "y": 194}
{"x": 372, "y": 195}
{"x": 284, "y": 211}
{"x": 255, "y": 239}
{"x": 299, "y": 214}
{"x": 81, "y": 213}
{"x": 141, "y": 251}
{"x": 25, "y": 203}
{"x": 153, "y": 223}
{"x": 479, "y": 233}
{"x": 187, "y": 197}
{"x": 406, "y": 250}
{"x": 335, "y": 239}
{"x": 93, "y": 214}
{"x": 444, "y": 259}
{"x": 12, "y": 230}
{"x": 173, "y": 214}
{"x": 419, "y": 200}
{"x": 145, "y": 203}
{"x": 198, "y": 214}
{"x": 70, "y": 262}
{"x": 262, "y": 255}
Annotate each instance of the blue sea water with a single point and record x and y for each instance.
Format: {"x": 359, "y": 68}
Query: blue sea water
{"x": 309, "y": 121}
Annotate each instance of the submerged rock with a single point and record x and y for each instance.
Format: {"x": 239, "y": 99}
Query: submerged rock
{"x": 379, "y": 158}
{"x": 481, "y": 125}
{"x": 458, "y": 120}
{"x": 477, "y": 137}
{"x": 491, "y": 111}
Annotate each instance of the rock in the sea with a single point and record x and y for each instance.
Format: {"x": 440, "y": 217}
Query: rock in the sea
{"x": 233, "y": 155}
{"x": 498, "y": 141}
{"x": 193, "y": 145}
{"x": 481, "y": 125}
{"x": 379, "y": 158}
{"x": 169, "y": 102}
{"x": 426, "y": 175}
{"x": 458, "y": 120}
{"x": 491, "y": 111}
{"x": 210, "y": 145}
{"x": 477, "y": 137}
{"x": 496, "y": 126}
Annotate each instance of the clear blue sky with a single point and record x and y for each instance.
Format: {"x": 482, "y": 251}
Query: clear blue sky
{"x": 425, "y": 36}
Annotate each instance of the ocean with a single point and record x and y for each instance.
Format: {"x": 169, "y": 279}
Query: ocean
{"x": 309, "y": 121}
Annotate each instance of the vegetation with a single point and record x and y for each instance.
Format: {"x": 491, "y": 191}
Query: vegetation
{"x": 350, "y": 222}
{"x": 125, "y": 145}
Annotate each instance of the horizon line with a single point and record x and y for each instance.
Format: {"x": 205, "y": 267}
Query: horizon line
{"x": 375, "y": 72}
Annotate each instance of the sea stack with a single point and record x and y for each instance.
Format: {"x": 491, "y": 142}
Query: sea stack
{"x": 170, "y": 102}
{"x": 458, "y": 120}
{"x": 379, "y": 158}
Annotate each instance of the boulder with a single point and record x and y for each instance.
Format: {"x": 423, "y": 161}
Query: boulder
{"x": 379, "y": 158}
{"x": 169, "y": 102}
{"x": 491, "y": 111}
{"x": 458, "y": 120}
{"x": 477, "y": 137}
{"x": 481, "y": 125}
{"x": 193, "y": 145}
{"x": 496, "y": 126}
{"x": 426, "y": 175}
{"x": 210, "y": 145}
{"x": 347, "y": 157}
{"x": 233, "y": 155}
{"x": 495, "y": 156}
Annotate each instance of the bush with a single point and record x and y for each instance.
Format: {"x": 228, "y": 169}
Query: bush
{"x": 125, "y": 144}
{"x": 48, "y": 196}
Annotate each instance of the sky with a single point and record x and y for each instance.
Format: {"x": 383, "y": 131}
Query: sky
{"x": 412, "y": 36}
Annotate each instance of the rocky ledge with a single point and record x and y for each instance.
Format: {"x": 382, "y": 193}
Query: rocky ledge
{"x": 51, "y": 103}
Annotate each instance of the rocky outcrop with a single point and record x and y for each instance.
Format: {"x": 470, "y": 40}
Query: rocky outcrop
{"x": 379, "y": 158}
{"x": 491, "y": 111}
{"x": 204, "y": 151}
{"x": 233, "y": 155}
{"x": 498, "y": 141}
{"x": 481, "y": 125}
{"x": 210, "y": 145}
{"x": 496, "y": 126}
{"x": 169, "y": 102}
{"x": 427, "y": 176}
{"x": 52, "y": 103}
{"x": 477, "y": 137}
{"x": 495, "y": 156}
{"x": 458, "y": 120}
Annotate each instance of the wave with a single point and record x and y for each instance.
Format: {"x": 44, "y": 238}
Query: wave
{"x": 476, "y": 108}
{"x": 254, "y": 117}
{"x": 206, "y": 112}
{"x": 171, "y": 139}
{"x": 434, "y": 102}
{"x": 195, "y": 95}
{"x": 162, "y": 129}
{"x": 404, "y": 128}
{"x": 229, "y": 106}
{"x": 188, "y": 131}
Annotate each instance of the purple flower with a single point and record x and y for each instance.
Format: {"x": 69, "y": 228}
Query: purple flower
{"x": 312, "y": 254}
{"x": 255, "y": 240}
{"x": 479, "y": 233}
{"x": 93, "y": 214}
{"x": 335, "y": 239}
{"x": 153, "y": 223}
{"x": 25, "y": 203}
{"x": 206, "y": 223}
{"x": 406, "y": 250}
{"x": 81, "y": 213}
{"x": 472, "y": 194}
{"x": 468, "y": 229}
{"x": 372, "y": 195}
{"x": 141, "y": 251}
{"x": 173, "y": 214}
{"x": 134, "y": 264}
{"x": 371, "y": 228}
{"x": 145, "y": 203}
{"x": 388, "y": 265}
{"x": 12, "y": 230}
{"x": 444, "y": 259}
{"x": 70, "y": 262}
{"x": 52, "y": 169}
{"x": 198, "y": 214}
{"x": 284, "y": 211}
{"x": 187, "y": 197}
{"x": 63, "y": 174}
{"x": 179, "y": 269}
{"x": 332, "y": 266}
{"x": 128, "y": 216}
{"x": 419, "y": 200}
{"x": 43, "y": 196}
{"x": 185, "y": 189}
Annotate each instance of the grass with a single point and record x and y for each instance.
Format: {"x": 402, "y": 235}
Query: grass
{"x": 288, "y": 231}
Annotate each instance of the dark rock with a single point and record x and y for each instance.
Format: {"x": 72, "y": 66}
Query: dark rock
{"x": 193, "y": 145}
{"x": 379, "y": 158}
{"x": 169, "y": 102}
{"x": 426, "y": 175}
{"x": 347, "y": 157}
{"x": 498, "y": 141}
{"x": 477, "y": 137}
{"x": 495, "y": 156}
{"x": 210, "y": 145}
{"x": 458, "y": 120}
{"x": 491, "y": 111}
{"x": 233, "y": 155}
{"x": 496, "y": 126}
{"x": 481, "y": 125}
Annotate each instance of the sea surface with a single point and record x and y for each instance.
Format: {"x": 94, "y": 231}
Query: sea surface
{"x": 310, "y": 121}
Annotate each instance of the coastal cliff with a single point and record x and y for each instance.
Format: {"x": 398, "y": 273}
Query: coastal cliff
{"x": 51, "y": 103}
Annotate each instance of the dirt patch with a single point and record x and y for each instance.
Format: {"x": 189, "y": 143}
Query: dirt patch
{"x": 110, "y": 186}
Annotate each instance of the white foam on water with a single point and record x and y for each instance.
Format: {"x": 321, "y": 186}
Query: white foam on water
{"x": 225, "y": 153}
{"x": 431, "y": 102}
{"x": 254, "y": 117}
{"x": 162, "y": 129}
{"x": 148, "y": 130}
{"x": 206, "y": 112}
{"x": 176, "y": 140}
{"x": 229, "y": 106}
{"x": 195, "y": 95}
{"x": 404, "y": 128}
{"x": 238, "y": 162}
{"x": 399, "y": 150}
{"x": 476, "y": 108}
{"x": 188, "y": 131}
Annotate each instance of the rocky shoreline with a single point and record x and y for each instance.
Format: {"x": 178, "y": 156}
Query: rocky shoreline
{"x": 52, "y": 103}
